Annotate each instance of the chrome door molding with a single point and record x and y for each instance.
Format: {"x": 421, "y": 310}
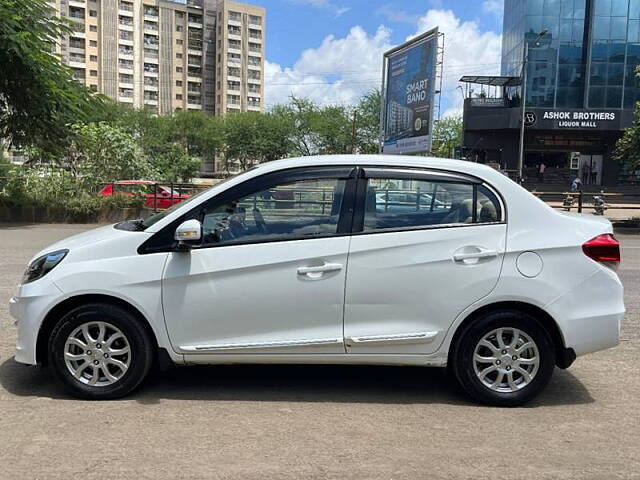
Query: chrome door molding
{"x": 400, "y": 338}
{"x": 259, "y": 345}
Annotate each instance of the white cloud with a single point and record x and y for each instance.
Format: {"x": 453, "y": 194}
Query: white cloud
{"x": 337, "y": 10}
{"x": 393, "y": 14}
{"x": 342, "y": 69}
{"x": 467, "y": 51}
{"x": 495, "y": 7}
{"x": 339, "y": 71}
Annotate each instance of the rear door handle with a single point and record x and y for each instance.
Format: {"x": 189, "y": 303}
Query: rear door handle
{"x": 481, "y": 253}
{"x": 317, "y": 271}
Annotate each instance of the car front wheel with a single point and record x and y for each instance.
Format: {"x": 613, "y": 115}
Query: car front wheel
{"x": 100, "y": 351}
{"x": 503, "y": 358}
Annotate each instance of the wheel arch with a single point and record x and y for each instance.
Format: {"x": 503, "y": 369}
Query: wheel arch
{"x": 59, "y": 310}
{"x": 564, "y": 356}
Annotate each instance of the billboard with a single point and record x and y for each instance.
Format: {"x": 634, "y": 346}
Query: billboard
{"x": 409, "y": 88}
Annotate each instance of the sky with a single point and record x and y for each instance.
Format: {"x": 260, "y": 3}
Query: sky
{"x": 330, "y": 51}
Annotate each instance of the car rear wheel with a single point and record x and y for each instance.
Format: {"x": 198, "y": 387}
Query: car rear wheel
{"x": 100, "y": 351}
{"x": 503, "y": 358}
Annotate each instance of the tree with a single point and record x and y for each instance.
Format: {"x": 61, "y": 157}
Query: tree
{"x": 39, "y": 97}
{"x": 627, "y": 150}
{"x": 175, "y": 164}
{"x": 103, "y": 153}
{"x": 253, "y": 137}
{"x": 316, "y": 130}
{"x": 447, "y": 134}
{"x": 368, "y": 123}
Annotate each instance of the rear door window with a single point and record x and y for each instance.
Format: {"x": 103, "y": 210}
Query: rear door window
{"x": 398, "y": 203}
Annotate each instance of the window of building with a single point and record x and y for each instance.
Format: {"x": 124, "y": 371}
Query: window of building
{"x": 178, "y": 55}
{"x": 93, "y": 87}
{"x": 93, "y": 43}
{"x": 235, "y": 16}
{"x": 179, "y": 15}
{"x": 93, "y": 28}
{"x": 93, "y": 13}
{"x": 93, "y": 58}
{"x": 179, "y": 28}
{"x": 235, "y": 44}
{"x": 93, "y": 73}
{"x": 394, "y": 203}
{"x": 293, "y": 211}
{"x": 178, "y": 96}
{"x": 178, "y": 69}
{"x": 178, "y": 83}
{"x": 255, "y": 20}
{"x": 179, "y": 41}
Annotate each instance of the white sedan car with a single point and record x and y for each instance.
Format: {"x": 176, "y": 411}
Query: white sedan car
{"x": 294, "y": 262}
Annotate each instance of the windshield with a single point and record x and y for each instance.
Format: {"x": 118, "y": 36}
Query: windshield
{"x": 147, "y": 222}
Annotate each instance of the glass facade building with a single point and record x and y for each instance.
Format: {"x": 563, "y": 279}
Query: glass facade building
{"x": 585, "y": 60}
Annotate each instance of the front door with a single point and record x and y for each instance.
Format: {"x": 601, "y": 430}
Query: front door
{"x": 430, "y": 245}
{"x": 270, "y": 274}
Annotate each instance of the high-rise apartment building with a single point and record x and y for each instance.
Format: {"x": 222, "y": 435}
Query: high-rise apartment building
{"x": 166, "y": 55}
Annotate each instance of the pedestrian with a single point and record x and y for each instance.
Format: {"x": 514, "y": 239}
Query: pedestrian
{"x": 576, "y": 185}
{"x": 541, "y": 170}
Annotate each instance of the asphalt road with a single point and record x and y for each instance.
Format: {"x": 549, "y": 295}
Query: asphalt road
{"x": 295, "y": 422}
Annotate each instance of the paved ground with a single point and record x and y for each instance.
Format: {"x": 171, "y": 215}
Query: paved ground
{"x": 317, "y": 422}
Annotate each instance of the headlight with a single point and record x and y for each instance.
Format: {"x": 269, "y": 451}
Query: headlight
{"x": 43, "y": 265}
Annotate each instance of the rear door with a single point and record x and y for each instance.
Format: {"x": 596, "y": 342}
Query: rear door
{"x": 425, "y": 246}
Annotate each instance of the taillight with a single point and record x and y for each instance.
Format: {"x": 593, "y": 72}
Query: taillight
{"x": 604, "y": 249}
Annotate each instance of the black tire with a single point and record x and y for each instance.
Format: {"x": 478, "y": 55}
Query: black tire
{"x": 462, "y": 361}
{"x": 141, "y": 346}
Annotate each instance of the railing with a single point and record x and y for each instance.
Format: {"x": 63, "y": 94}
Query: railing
{"x": 597, "y": 201}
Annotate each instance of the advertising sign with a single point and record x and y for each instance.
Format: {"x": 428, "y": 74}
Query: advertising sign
{"x": 409, "y": 90}
{"x": 574, "y": 119}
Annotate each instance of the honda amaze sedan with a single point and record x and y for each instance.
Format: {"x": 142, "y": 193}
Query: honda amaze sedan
{"x": 295, "y": 262}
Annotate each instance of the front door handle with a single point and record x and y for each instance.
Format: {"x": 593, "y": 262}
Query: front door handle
{"x": 480, "y": 253}
{"x": 317, "y": 271}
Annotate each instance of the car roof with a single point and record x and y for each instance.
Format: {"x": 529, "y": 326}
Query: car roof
{"x": 134, "y": 182}
{"x": 462, "y": 166}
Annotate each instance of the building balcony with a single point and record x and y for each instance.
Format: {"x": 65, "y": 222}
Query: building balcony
{"x": 151, "y": 28}
{"x": 126, "y": 41}
{"x": 77, "y": 63}
{"x": 125, "y": 99}
{"x": 194, "y": 24}
{"x": 77, "y": 3}
{"x": 125, "y": 84}
{"x": 125, "y": 13}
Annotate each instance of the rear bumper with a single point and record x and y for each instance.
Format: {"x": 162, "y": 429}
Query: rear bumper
{"x": 590, "y": 315}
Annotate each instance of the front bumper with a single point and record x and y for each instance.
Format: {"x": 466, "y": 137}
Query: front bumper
{"x": 29, "y": 308}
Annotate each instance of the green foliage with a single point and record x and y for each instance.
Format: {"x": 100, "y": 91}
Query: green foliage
{"x": 627, "y": 150}
{"x": 38, "y": 95}
{"x": 316, "y": 130}
{"x": 447, "y": 134}
{"x": 368, "y": 123}
{"x": 174, "y": 164}
{"x": 254, "y": 137}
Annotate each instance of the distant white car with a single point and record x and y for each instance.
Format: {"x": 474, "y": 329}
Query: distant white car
{"x": 296, "y": 262}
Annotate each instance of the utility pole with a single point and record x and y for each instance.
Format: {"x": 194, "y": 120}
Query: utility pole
{"x": 523, "y": 100}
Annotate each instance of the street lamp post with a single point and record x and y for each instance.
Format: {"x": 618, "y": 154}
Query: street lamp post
{"x": 523, "y": 100}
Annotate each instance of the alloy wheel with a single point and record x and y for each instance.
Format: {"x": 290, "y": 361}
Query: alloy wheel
{"x": 506, "y": 360}
{"x": 97, "y": 353}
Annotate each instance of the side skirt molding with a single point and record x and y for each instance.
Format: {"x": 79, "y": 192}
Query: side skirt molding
{"x": 259, "y": 345}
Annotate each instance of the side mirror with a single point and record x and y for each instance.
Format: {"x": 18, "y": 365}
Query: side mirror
{"x": 188, "y": 231}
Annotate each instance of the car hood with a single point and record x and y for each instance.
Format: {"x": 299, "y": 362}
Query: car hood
{"x": 91, "y": 237}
